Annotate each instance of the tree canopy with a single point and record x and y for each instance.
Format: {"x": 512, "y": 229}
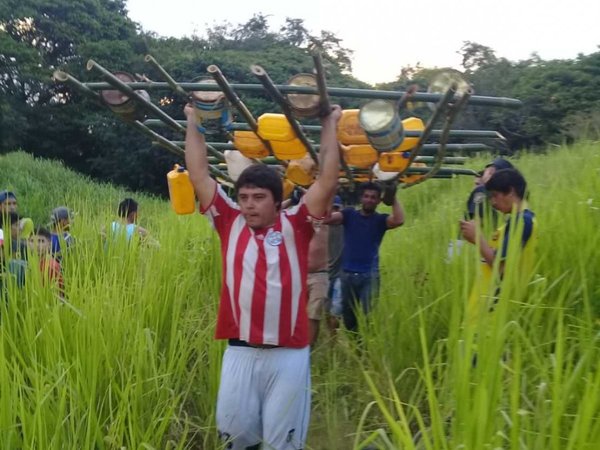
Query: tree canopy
{"x": 561, "y": 98}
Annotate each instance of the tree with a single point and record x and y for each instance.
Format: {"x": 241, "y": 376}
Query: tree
{"x": 476, "y": 56}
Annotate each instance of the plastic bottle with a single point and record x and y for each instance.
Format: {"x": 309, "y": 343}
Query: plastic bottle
{"x": 181, "y": 191}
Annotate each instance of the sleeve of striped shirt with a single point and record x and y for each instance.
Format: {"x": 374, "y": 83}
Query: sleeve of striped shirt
{"x": 302, "y": 220}
{"x": 222, "y": 210}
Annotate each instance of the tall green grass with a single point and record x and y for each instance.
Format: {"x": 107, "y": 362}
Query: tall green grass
{"x": 128, "y": 359}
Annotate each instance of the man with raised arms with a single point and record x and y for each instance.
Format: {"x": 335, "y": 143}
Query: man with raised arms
{"x": 264, "y": 394}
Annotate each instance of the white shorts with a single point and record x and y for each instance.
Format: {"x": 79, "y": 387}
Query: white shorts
{"x": 264, "y": 397}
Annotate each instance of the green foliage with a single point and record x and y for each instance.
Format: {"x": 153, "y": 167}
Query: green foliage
{"x": 50, "y": 120}
{"x": 129, "y": 360}
{"x": 560, "y": 97}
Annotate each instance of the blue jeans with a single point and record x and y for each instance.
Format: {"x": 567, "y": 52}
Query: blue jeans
{"x": 358, "y": 290}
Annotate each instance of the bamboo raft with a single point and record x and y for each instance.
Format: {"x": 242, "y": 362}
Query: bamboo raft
{"x": 414, "y": 162}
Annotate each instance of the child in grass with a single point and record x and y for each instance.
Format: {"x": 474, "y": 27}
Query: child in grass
{"x": 8, "y": 204}
{"x": 127, "y": 223}
{"x": 40, "y": 243}
{"x": 12, "y": 249}
{"x": 60, "y": 237}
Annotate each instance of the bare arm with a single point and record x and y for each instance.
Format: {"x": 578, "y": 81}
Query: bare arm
{"x": 335, "y": 218}
{"x": 197, "y": 162}
{"x": 320, "y": 195}
{"x": 396, "y": 219}
{"x": 469, "y": 232}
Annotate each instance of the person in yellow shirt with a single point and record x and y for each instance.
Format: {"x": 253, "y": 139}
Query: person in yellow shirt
{"x": 513, "y": 243}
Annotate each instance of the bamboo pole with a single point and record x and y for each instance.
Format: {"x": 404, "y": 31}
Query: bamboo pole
{"x": 325, "y": 107}
{"x": 324, "y": 103}
{"x": 168, "y": 78}
{"x": 64, "y": 77}
{"x": 267, "y": 83}
{"x": 432, "y": 149}
{"x": 442, "y": 171}
{"x": 162, "y": 141}
{"x": 221, "y": 146}
{"x": 233, "y": 98}
{"x": 126, "y": 89}
{"x": 439, "y": 159}
{"x": 173, "y": 148}
{"x": 158, "y": 139}
{"x": 439, "y": 110}
{"x": 317, "y": 128}
{"x": 332, "y": 91}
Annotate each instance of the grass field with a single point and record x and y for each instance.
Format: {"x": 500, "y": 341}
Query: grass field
{"x": 128, "y": 361}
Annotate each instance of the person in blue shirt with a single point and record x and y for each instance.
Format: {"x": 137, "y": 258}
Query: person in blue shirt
{"x": 60, "y": 236}
{"x": 126, "y": 227}
{"x": 128, "y": 212}
{"x": 363, "y": 231}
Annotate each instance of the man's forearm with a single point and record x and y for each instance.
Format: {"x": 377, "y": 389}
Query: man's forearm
{"x": 196, "y": 158}
{"x": 395, "y": 219}
{"x": 397, "y": 212}
{"x": 330, "y": 157}
{"x": 319, "y": 196}
{"x": 487, "y": 252}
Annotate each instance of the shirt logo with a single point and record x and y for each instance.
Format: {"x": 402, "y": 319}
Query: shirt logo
{"x": 274, "y": 238}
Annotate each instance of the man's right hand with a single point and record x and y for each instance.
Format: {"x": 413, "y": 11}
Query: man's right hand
{"x": 334, "y": 115}
{"x": 389, "y": 192}
{"x": 188, "y": 110}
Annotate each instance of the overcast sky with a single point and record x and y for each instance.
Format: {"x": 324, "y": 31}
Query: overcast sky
{"x": 387, "y": 35}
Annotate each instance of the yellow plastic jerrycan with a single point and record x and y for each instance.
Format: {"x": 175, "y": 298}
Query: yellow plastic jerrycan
{"x": 360, "y": 155}
{"x": 288, "y": 188}
{"x": 406, "y": 179}
{"x": 393, "y": 162}
{"x": 249, "y": 144}
{"x": 410, "y": 124}
{"x": 275, "y": 127}
{"x": 293, "y": 149}
{"x": 302, "y": 171}
{"x": 181, "y": 191}
{"x": 349, "y": 131}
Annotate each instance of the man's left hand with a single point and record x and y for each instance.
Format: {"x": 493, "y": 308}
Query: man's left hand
{"x": 468, "y": 230}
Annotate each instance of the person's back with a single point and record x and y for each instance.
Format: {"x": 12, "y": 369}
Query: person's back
{"x": 121, "y": 230}
{"x": 125, "y": 228}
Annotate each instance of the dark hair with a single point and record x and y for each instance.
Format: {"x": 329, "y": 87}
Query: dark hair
{"x": 9, "y": 218}
{"x": 261, "y": 176}
{"x": 127, "y": 207}
{"x": 506, "y": 179}
{"x": 41, "y": 231}
{"x": 500, "y": 163}
{"x": 370, "y": 186}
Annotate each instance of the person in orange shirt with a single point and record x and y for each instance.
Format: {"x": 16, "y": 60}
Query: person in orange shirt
{"x": 40, "y": 243}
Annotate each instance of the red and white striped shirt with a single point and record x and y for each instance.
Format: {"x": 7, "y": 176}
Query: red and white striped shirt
{"x": 263, "y": 294}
